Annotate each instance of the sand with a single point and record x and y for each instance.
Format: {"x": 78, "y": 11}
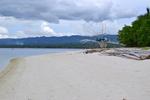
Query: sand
{"x": 75, "y": 76}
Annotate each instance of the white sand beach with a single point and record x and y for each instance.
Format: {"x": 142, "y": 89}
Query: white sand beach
{"x": 75, "y": 76}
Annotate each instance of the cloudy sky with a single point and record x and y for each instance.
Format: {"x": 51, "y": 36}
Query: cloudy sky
{"x": 34, "y": 18}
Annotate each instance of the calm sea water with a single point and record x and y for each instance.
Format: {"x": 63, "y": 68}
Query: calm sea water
{"x": 8, "y": 53}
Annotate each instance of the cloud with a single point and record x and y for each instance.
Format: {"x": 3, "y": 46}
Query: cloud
{"x": 35, "y": 18}
{"x": 45, "y": 28}
{"x": 35, "y": 29}
{"x": 3, "y": 30}
{"x": 55, "y": 10}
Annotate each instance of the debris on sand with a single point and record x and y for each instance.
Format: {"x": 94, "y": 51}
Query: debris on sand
{"x": 131, "y": 53}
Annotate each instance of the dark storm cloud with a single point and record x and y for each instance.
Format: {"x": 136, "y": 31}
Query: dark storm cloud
{"x": 55, "y": 10}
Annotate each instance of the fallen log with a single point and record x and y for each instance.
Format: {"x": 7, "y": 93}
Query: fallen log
{"x": 136, "y": 54}
{"x": 131, "y": 56}
{"x": 94, "y": 50}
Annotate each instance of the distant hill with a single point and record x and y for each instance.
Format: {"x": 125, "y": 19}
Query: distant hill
{"x": 56, "y": 42}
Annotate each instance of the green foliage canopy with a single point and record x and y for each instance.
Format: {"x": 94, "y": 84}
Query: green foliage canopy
{"x": 138, "y": 34}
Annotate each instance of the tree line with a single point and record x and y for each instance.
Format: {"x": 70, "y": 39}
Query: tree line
{"x": 138, "y": 33}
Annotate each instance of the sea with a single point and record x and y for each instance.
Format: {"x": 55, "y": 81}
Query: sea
{"x": 6, "y": 54}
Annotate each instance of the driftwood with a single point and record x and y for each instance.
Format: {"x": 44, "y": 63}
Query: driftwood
{"x": 131, "y": 56}
{"x": 94, "y": 50}
{"x": 136, "y": 54}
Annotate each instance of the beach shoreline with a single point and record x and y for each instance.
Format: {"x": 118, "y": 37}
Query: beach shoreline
{"x": 75, "y": 75}
{"x": 6, "y": 54}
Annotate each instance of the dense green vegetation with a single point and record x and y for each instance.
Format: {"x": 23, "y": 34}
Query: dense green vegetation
{"x": 138, "y": 34}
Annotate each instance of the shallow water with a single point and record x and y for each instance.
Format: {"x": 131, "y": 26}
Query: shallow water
{"x": 8, "y": 53}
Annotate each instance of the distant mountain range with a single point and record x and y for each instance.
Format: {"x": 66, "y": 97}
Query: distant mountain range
{"x": 56, "y": 42}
